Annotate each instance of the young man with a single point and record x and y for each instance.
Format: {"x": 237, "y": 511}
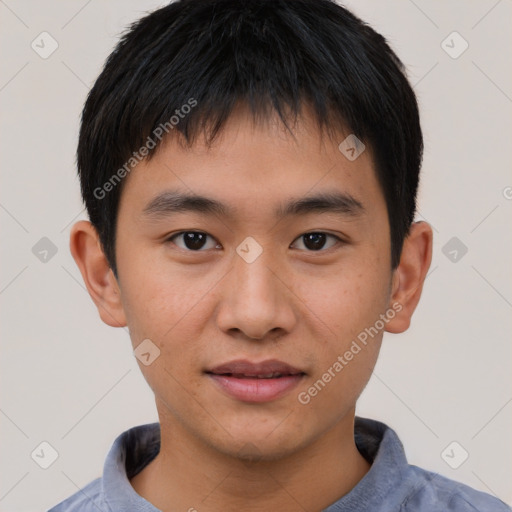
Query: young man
{"x": 250, "y": 170}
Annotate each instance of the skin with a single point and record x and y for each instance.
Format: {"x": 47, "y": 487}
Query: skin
{"x": 300, "y": 306}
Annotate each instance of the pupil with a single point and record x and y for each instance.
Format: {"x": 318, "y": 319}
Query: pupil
{"x": 194, "y": 240}
{"x": 314, "y": 241}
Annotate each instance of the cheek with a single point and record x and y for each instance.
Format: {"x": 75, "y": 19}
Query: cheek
{"x": 157, "y": 298}
{"x": 349, "y": 300}
{"x": 348, "y": 303}
{"x": 169, "y": 311}
{"x": 346, "y": 353}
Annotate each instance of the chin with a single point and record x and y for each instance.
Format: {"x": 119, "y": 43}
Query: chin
{"x": 251, "y": 452}
{"x": 259, "y": 443}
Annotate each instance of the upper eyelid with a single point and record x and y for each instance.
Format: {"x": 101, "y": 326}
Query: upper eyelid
{"x": 208, "y": 234}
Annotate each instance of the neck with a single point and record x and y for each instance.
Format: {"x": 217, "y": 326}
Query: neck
{"x": 189, "y": 475}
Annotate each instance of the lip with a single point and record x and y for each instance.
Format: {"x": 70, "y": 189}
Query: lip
{"x": 242, "y": 379}
{"x": 254, "y": 369}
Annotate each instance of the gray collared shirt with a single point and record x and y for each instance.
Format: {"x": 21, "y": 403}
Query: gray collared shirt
{"x": 391, "y": 484}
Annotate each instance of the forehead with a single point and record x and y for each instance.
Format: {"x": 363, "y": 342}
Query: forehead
{"x": 257, "y": 163}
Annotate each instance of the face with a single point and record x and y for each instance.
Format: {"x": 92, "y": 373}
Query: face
{"x": 255, "y": 297}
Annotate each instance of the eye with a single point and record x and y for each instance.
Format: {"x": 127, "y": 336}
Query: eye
{"x": 193, "y": 240}
{"x": 315, "y": 241}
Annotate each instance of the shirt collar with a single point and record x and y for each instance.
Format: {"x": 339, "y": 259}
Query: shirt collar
{"x": 130, "y": 452}
{"x": 380, "y": 446}
{"x": 138, "y": 446}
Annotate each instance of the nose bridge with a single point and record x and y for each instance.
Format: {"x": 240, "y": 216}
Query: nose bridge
{"x": 255, "y": 301}
{"x": 254, "y": 279}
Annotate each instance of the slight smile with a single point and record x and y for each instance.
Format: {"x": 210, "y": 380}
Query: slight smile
{"x": 255, "y": 382}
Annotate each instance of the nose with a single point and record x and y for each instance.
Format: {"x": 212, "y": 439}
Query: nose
{"x": 256, "y": 302}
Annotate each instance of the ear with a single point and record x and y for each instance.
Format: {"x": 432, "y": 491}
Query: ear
{"x": 409, "y": 276}
{"x": 99, "y": 279}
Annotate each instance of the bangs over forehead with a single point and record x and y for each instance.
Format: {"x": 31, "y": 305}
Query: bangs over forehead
{"x": 184, "y": 68}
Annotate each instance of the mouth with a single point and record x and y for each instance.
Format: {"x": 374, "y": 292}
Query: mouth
{"x": 247, "y": 381}
{"x": 274, "y": 375}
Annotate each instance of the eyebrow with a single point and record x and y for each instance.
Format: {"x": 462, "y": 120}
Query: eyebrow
{"x": 171, "y": 202}
{"x": 326, "y": 202}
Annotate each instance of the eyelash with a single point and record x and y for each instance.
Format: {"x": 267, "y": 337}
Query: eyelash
{"x": 338, "y": 240}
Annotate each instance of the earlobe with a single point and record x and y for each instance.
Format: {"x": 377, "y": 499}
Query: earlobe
{"x": 410, "y": 275}
{"x": 98, "y": 277}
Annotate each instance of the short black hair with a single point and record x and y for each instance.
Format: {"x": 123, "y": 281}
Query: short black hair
{"x": 184, "y": 67}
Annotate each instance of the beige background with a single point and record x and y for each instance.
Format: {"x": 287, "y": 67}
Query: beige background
{"x": 71, "y": 381}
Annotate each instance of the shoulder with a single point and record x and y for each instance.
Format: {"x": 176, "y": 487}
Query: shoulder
{"x": 129, "y": 453}
{"x": 394, "y": 484}
{"x": 88, "y": 499}
{"x": 436, "y": 493}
